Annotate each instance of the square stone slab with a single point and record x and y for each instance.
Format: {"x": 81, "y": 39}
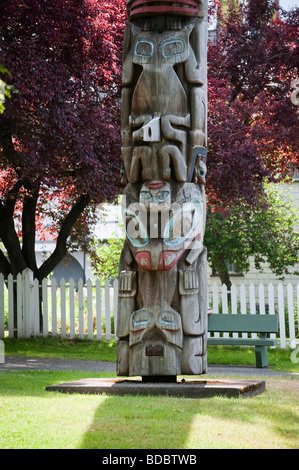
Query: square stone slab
{"x": 188, "y": 388}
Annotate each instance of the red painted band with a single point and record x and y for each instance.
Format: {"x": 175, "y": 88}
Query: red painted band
{"x": 183, "y": 7}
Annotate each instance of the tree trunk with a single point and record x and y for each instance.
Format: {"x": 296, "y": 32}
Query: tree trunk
{"x": 28, "y": 226}
{"x": 11, "y": 242}
{"x": 61, "y": 245}
{"x": 223, "y": 273}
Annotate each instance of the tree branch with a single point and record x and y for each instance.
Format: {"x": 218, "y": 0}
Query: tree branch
{"x": 5, "y": 267}
{"x": 28, "y": 226}
{"x": 10, "y": 239}
{"x": 61, "y": 250}
{"x": 12, "y": 197}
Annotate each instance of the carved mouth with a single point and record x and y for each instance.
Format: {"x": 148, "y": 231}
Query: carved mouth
{"x": 141, "y": 8}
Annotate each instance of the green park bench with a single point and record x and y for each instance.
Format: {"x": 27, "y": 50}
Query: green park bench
{"x": 230, "y": 323}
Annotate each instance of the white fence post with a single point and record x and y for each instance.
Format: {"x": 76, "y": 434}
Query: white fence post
{"x": 271, "y": 306}
{"x": 243, "y": 305}
{"x": 252, "y": 305}
{"x": 107, "y": 310}
{"x": 262, "y": 299}
{"x": 28, "y": 302}
{"x": 54, "y": 306}
{"x": 63, "y": 308}
{"x": 234, "y": 304}
{"x": 291, "y": 316}
{"x": 281, "y": 316}
{"x": 81, "y": 308}
{"x": 35, "y": 308}
{"x": 72, "y": 308}
{"x": 11, "y": 325}
{"x": 224, "y": 304}
{"x": 99, "y": 309}
{"x": 45, "y": 308}
{"x": 89, "y": 309}
{"x": 20, "y": 306}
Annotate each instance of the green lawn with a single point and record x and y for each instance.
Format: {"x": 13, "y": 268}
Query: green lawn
{"x": 61, "y": 348}
{"x": 279, "y": 359}
{"x": 32, "y": 418}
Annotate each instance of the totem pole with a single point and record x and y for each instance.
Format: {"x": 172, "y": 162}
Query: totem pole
{"x": 162, "y": 305}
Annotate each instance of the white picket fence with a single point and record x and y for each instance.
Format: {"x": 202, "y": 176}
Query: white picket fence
{"x": 70, "y": 309}
{"x": 263, "y": 300}
{"x": 90, "y": 310}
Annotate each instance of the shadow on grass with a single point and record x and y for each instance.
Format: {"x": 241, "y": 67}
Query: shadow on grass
{"x": 138, "y": 422}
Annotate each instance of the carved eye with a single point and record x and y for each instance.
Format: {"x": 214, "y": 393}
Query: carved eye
{"x": 183, "y": 224}
{"x": 140, "y": 318}
{"x": 162, "y": 196}
{"x": 144, "y": 48}
{"x": 168, "y": 320}
{"x": 145, "y": 196}
{"x": 173, "y": 47}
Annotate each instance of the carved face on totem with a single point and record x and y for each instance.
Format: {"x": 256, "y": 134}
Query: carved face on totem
{"x": 142, "y": 8}
{"x": 155, "y": 195}
{"x": 159, "y": 231}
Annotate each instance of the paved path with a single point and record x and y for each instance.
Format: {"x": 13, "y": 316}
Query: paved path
{"x": 26, "y": 363}
{"x": 22, "y": 363}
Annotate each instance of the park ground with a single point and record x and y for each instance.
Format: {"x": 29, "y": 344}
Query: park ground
{"x": 32, "y": 418}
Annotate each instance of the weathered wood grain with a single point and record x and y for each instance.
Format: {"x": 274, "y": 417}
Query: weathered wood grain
{"x": 162, "y": 305}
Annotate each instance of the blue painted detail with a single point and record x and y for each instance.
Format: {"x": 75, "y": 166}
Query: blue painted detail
{"x": 172, "y": 233}
{"x": 175, "y": 47}
{"x": 140, "y": 318}
{"x": 141, "y": 51}
{"x": 161, "y": 197}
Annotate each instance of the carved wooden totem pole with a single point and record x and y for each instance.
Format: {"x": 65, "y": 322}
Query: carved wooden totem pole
{"x": 162, "y": 305}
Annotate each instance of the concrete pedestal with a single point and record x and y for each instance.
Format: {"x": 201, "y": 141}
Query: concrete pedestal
{"x": 187, "y": 388}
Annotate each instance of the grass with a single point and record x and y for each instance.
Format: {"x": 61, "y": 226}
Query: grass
{"x": 32, "y": 418}
{"x": 279, "y": 359}
{"x": 62, "y": 349}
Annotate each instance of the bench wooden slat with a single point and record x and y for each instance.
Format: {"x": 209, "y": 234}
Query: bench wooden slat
{"x": 263, "y": 324}
{"x": 242, "y": 323}
{"x": 243, "y": 341}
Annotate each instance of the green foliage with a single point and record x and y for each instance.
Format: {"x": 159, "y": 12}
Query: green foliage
{"x": 268, "y": 232}
{"x": 5, "y": 89}
{"x": 105, "y": 258}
